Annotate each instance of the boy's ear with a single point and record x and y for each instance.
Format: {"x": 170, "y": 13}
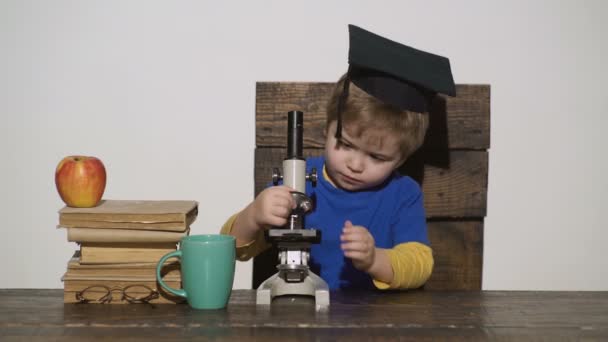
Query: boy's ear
{"x": 402, "y": 161}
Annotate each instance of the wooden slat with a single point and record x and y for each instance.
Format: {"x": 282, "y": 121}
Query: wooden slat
{"x": 458, "y": 252}
{"x": 457, "y": 249}
{"x": 462, "y": 122}
{"x": 456, "y": 190}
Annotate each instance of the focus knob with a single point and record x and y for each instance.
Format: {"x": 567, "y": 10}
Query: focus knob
{"x": 276, "y": 176}
{"x": 312, "y": 176}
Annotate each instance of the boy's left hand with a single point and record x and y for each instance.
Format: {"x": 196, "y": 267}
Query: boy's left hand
{"x": 358, "y": 245}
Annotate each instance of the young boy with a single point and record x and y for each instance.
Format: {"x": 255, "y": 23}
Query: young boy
{"x": 372, "y": 219}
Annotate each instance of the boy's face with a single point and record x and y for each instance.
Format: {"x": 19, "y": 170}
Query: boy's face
{"x": 358, "y": 163}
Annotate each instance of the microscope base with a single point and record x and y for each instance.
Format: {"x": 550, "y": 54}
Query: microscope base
{"x": 276, "y": 286}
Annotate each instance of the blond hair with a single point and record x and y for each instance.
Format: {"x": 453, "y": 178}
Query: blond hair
{"x": 363, "y": 112}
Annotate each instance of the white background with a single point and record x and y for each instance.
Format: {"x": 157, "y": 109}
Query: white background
{"x": 164, "y": 93}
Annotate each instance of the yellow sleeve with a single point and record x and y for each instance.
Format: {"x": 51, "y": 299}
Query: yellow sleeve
{"x": 412, "y": 264}
{"x": 248, "y": 250}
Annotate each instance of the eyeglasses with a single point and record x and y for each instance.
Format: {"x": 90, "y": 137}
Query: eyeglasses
{"x": 103, "y": 294}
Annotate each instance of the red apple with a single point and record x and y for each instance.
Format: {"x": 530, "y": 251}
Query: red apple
{"x": 80, "y": 181}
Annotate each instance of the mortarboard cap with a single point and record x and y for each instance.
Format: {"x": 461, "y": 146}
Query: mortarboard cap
{"x": 394, "y": 73}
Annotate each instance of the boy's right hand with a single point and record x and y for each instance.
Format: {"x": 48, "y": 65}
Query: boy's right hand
{"x": 273, "y": 206}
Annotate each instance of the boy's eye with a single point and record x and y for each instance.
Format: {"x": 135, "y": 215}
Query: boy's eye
{"x": 378, "y": 158}
{"x": 344, "y": 144}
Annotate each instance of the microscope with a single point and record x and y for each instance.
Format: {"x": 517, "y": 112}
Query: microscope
{"x": 293, "y": 241}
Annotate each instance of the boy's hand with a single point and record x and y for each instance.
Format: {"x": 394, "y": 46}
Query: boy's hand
{"x": 273, "y": 206}
{"x": 358, "y": 245}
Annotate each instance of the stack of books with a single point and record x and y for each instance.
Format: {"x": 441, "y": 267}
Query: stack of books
{"x": 120, "y": 244}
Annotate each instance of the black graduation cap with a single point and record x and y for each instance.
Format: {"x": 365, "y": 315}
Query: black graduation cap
{"x": 394, "y": 73}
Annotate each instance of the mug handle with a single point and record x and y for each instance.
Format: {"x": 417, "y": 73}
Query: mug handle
{"x": 161, "y": 262}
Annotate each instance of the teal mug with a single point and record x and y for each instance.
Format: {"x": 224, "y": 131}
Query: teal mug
{"x": 207, "y": 268}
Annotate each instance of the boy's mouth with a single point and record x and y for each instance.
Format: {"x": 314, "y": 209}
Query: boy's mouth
{"x": 350, "y": 180}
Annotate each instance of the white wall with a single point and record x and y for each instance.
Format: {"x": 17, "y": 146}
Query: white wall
{"x": 155, "y": 88}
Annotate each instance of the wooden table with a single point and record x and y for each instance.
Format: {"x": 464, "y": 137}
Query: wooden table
{"x": 415, "y": 315}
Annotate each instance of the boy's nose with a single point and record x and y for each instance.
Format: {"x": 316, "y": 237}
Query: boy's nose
{"x": 355, "y": 164}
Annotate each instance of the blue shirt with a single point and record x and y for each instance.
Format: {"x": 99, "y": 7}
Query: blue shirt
{"x": 392, "y": 212}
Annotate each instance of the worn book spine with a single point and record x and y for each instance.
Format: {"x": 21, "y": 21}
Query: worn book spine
{"x": 169, "y": 271}
{"x": 112, "y": 217}
{"x": 162, "y": 226}
{"x": 94, "y": 288}
{"x": 135, "y": 209}
{"x": 76, "y": 283}
{"x": 123, "y": 253}
{"x": 69, "y": 297}
{"x": 125, "y": 214}
{"x": 96, "y": 235}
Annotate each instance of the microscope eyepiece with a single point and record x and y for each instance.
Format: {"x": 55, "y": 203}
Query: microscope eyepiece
{"x": 294, "y": 134}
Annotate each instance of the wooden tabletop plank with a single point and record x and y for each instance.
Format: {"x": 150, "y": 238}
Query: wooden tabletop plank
{"x": 373, "y": 315}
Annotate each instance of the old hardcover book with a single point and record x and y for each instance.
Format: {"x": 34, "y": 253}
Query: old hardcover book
{"x": 105, "y": 235}
{"x": 102, "y": 253}
{"x": 71, "y": 297}
{"x": 121, "y": 290}
{"x": 170, "y": 269}
{"x": 131, "y": 214}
